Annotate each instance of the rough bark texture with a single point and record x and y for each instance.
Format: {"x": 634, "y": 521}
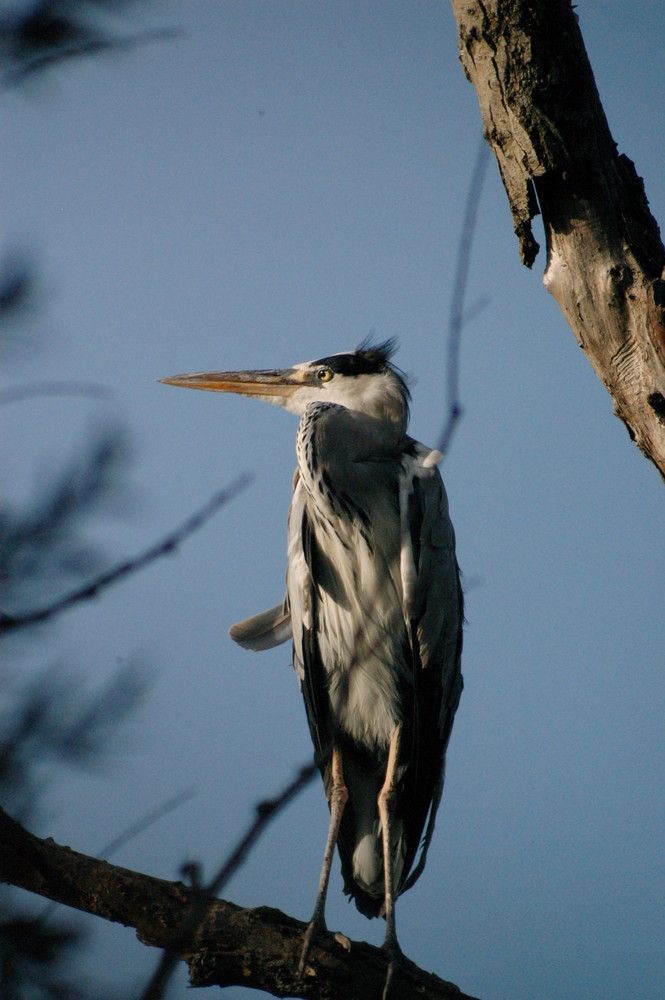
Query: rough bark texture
{"x": 605, "y": 260}
{"x": 231, "y": 946}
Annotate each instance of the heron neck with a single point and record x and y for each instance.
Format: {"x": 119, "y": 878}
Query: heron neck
{"x": 331, "y": 433}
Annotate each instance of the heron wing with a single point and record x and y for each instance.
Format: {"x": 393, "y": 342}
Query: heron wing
{"x": 433, "y": 614}
{"x": 433, "y": 609}
{"x": 303, "y": 600}
{"x": 416, "y": 543}
{"x": 264, "y": 631}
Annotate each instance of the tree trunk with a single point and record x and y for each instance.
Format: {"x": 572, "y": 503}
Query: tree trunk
{"x": 605, "y": 260}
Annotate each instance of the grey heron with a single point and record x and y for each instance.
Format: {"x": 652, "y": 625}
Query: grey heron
{"x": 374, "y": 609}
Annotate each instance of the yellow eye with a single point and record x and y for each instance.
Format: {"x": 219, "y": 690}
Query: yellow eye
{"x": 324, "y": 374}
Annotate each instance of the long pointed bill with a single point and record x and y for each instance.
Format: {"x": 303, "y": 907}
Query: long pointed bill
{"x": 274, "y": 382}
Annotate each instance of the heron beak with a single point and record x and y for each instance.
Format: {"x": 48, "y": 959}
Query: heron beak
{"x": 271, "y": 382}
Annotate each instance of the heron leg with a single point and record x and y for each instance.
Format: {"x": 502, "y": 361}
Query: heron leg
{"x": 339, "y": 796}
{"x": 386, "y": 803}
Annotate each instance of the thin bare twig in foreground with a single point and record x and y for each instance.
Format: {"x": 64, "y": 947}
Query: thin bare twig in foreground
{"x": 9, "y": 623}
{"x": 457, "y": 318}
{"x": 143, "y": 824}
{"x": 127, "y": 835}
{"x": 19, "y": 393}
{"x": 265, "y": 813}
{"x": 28, "y": 65}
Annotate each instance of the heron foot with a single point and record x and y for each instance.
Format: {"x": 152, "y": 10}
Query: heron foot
{"x": 395, "y": 960}
{"x": 315, "y": 928}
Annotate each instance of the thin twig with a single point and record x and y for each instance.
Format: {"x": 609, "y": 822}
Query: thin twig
{"x": 143, "y": 824}
{"x": 140, "y": 826}
{"x": 265, "y": 813}
{"x": 83, "y": 47}
{"x": 90, "y": 390}
{"x": 9, "y": 623}
{"x": 457, "y": 318}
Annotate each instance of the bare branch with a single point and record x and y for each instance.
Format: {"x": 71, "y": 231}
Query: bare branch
{"x": 35, "y": 390}
{"x": 605, "y": 260}
{"x": 265, "y": 813}
{"x": 457, "y": 316}
{"x": 256, "y": 948}
{"x": 9, "y": 623}
{"x": 50, "y": 32}
{"x": 145, "y": 822}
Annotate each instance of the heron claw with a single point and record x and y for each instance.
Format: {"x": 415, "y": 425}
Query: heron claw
{"x": 342, "y": 940}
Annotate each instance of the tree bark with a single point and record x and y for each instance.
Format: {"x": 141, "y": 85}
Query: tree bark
{"x": 543, "y": 119}
{"x": 229, "y": 946}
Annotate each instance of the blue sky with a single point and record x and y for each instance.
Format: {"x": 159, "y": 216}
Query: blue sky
{"x": 272, "y": 186}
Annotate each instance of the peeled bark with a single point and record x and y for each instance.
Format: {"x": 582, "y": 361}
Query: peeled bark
{"x": 543, "y": 119}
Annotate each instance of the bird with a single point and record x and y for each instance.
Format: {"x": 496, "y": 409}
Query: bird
{"x": 374, "y": 610}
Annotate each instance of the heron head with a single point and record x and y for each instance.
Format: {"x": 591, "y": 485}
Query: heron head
{"x": 363, "y": 380}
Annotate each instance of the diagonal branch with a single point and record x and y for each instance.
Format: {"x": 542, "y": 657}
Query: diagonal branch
{"x": 195, "y": 917}
{"x": 543, "y": 119}
{"x": 256, "y": 948}
{"x": 9, "y": 623}
{"x": 457, "y": 312}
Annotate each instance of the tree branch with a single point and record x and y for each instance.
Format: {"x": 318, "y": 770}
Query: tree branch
{"x": 457, "y": 311}
{"x": 9, "y": 623}
{"x": 265, "y": 812}
{"x": 256, "y": 948}
{"x": 605, "y": 260}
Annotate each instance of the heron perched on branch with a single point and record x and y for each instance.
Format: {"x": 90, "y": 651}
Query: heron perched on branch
{"x": 374, "y": 608}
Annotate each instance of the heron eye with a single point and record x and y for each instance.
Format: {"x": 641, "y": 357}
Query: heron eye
{"x": 324, "y": 374}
